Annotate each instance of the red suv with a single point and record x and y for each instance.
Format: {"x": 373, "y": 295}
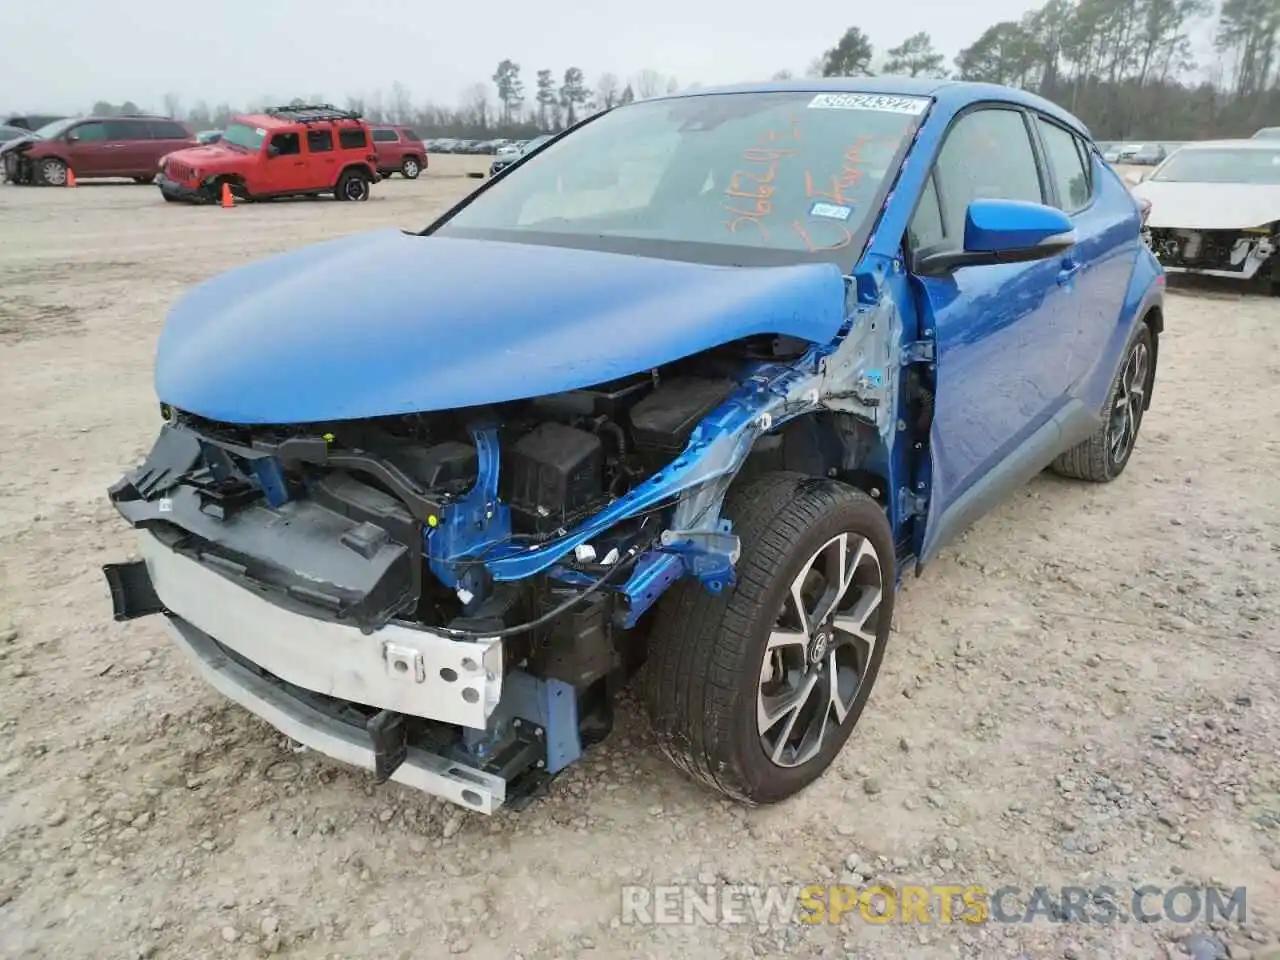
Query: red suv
{"x": 399, "y": 150}
{"x": 293, "y": 151}
{"x": 95, "y": 147}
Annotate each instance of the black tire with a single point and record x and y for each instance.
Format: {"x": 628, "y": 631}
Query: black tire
{"x": 51, "y": 172}
{"x": 1102, "y": 457}
{"x": 707, "y": 653}
{"x": 145, "y": 180}
{"x": 352, "y": 185}
{"x": 411, "y": 168}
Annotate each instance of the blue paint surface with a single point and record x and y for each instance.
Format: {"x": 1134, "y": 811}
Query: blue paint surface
{"x": 388, "y": 323}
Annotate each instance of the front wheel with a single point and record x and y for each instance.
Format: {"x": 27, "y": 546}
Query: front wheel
{"x": 1103, "y": 456}
{"x": 352, "y": 185}
{"x": 410, "y": 168}
{"x": 754, "y": 691}
{"x": 53, "y": 172}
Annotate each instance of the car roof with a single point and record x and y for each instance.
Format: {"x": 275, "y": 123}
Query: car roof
{"x": 950, "y": 94}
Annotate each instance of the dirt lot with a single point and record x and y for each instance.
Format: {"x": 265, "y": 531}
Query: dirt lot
{"x": 1082, "y": 691}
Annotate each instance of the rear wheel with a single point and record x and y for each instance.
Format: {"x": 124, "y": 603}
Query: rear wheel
{"x": 754, "y": 691}
{"x": 1104, "y": 455}
{"x": 411, "y": 168}
{"x": 145, "y": 180}
{"x": 352, "y": 185}
{"x": 53, "y": 172}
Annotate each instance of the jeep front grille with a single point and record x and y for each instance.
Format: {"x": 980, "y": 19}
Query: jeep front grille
{"x": 176, "y": 170}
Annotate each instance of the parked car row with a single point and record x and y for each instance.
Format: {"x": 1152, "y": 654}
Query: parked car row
{"x": 1137, "y": 154}
{"x": 286, "y": 151}
{"x": 477, "y": 147}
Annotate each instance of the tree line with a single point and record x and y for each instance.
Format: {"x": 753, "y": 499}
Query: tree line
{"x": 1127, "y": 68}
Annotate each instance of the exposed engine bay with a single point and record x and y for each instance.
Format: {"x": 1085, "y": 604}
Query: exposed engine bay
{"x": 1243, "y": 254}
{"x": 542, "y": 529}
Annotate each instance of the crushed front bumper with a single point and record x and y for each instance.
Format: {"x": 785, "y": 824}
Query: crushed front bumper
{"x": 175, "y": 190}
{"x": 267, "y": 658}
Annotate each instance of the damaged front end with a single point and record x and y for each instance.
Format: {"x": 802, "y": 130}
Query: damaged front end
{"x": 15, "y": 164}
{"x": 452, "y": 599}
{"x": 1240, "y": 254}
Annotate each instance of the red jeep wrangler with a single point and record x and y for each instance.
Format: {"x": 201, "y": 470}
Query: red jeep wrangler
{"x": 290, "y": 151}
{"x": 399, "y": 150}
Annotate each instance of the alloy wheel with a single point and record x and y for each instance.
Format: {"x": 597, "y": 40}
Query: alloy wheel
{"x": 1130, "y": 400}
{"x": 410, "y": 168}
{"x": 54, "y": 173}
{"x": 819, "y": 650}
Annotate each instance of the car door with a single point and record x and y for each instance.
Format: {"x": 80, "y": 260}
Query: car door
{"x": 284, "y": 165}
{"x": 1107, "y": 241}
{"x": 128, "y": 148}
{"x": 386, "y": 144}
{"x": 997, "y": 331}
{"x": 322, "y": 160}
{"x": 87, "y": 149}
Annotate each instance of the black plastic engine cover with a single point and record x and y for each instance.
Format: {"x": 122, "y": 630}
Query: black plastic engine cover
{"x": 663, "y": 421}
{"x": 552, "y": 473}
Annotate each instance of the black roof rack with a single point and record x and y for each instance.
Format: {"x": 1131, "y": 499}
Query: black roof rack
{"x": 311, "y": 113}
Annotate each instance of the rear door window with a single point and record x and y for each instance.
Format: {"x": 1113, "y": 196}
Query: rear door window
{"x": 352, "y": 138}
{"x": 384, "y": 136}
{"x": 319, "y": 141}
{"x": 1067, "y": 167}
{"x": 128, "y": 130}
{"x": 168, "y": 130}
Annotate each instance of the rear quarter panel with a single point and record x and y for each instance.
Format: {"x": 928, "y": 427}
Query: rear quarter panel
{"x": 1128, "y": 282}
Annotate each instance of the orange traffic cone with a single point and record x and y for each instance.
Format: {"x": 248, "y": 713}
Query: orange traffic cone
{"x": 71, "y": 177}
{"x": 227, "y": 199}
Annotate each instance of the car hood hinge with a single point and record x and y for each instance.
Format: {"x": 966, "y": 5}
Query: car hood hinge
{"x": 918, "y": 351}
{"x": 912, "y": 504}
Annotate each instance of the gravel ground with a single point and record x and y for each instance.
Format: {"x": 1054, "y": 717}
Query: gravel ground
{"x": 1083, "y": 690}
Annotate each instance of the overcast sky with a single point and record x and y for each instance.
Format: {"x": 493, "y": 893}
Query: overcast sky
{"x": 64, "y": 56}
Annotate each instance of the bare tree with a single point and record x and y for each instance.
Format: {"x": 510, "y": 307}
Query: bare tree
{"x": 400, "y": 109}
{"x": 647, "y": 83}
{"x": 782, "y": 75}
{"x": 475, "y": 105}
{"x": 607, "y": 90}
{"x": 172, "y": 106}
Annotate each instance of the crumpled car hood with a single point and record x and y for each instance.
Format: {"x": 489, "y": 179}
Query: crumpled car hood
{"x": 206, "y": 153}
{"x": 389, "y": 323}
{"x": 1209, "y": 206}
{"x": 18, "y": 143}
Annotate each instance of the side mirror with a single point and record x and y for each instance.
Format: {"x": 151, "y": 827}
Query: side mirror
{"x": 1004, "y": 231}
{"x": 72, "y": 137}
{"x": 273, "y": 150}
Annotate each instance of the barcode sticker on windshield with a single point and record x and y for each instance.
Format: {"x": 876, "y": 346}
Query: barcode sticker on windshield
{"x": 869, "y": 101}
{"x": 832, "y": 211}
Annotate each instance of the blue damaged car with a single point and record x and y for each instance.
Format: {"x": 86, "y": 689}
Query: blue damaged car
{"x": 682, "y": 397}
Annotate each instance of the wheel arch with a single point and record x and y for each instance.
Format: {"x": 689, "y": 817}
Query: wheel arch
{"x": 1154, "y": 319}
{"x": 363, "y": 168}
{"x": 823, "y": 444}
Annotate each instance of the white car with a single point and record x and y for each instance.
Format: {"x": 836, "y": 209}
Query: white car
{"x": 1215, "y": 209}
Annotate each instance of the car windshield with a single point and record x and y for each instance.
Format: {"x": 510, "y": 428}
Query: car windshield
{"x": 767, "y": 177}
{"x": 1222, "y": 165}
{"x": 54, "y": 129}
{"x": 243, "y": 135}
